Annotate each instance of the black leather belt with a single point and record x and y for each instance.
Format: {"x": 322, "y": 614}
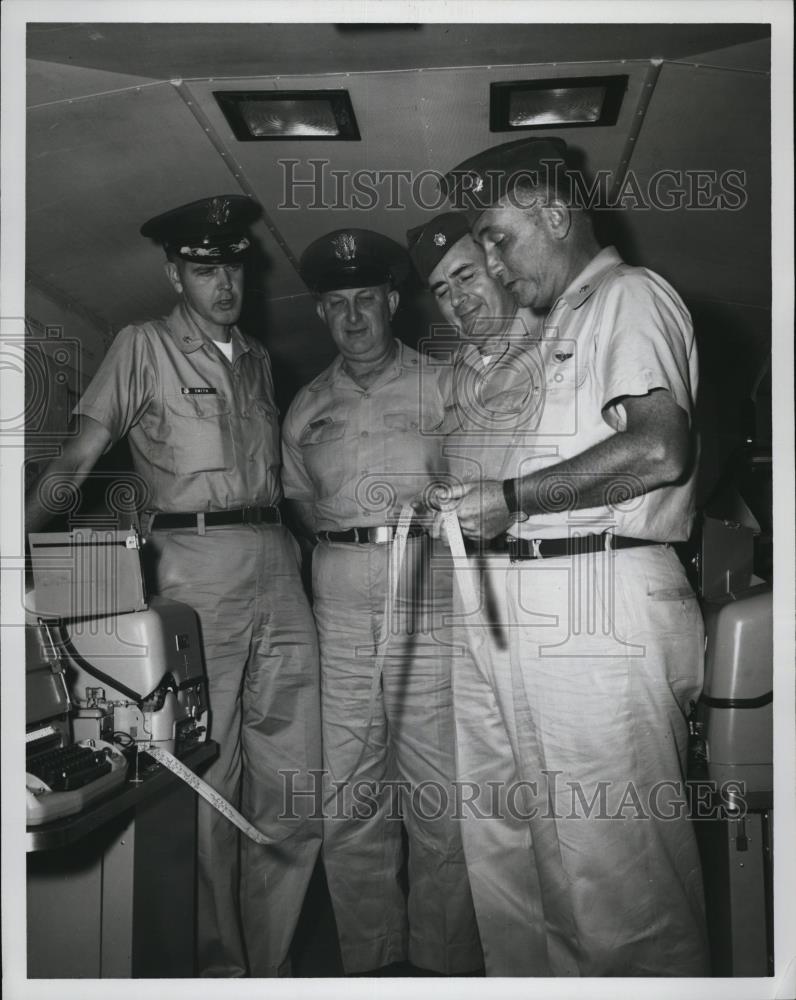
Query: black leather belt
{"x": 484, "y": 546}
{"x": 548, "y": 548}
{"x": 365, "y": 536}
{"x": 213, "y": 518}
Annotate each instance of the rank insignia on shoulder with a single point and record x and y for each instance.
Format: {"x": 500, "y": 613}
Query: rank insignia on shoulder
{"x": 199, "y": 390}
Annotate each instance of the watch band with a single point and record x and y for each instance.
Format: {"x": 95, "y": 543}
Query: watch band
{"x": 512, "y": 503}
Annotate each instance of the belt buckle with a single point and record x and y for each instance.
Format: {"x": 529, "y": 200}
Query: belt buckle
{"x": 380, "y": 535}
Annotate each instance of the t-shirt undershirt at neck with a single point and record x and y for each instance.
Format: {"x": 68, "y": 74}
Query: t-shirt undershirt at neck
{"x": 226, "y": 349}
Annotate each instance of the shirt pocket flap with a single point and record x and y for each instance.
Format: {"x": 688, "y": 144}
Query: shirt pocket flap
{"x": 198, "y": 406}
{"x": 562, "y": 371}
{"x": 507, "y": 401}
{"x": 321, "y": 430}
{"x": 400, "y": 422}
{"x": 265, "y": 407}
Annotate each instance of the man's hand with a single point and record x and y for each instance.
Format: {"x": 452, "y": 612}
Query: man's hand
{"x": 480, "y": 507}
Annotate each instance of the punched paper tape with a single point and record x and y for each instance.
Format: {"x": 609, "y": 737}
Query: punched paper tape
{"x": 208, "y": 794}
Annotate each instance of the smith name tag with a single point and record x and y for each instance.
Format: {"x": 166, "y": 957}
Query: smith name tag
{"x": 199, "y": 390}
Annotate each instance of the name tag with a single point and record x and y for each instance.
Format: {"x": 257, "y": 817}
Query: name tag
{"x": 199, "y": 390}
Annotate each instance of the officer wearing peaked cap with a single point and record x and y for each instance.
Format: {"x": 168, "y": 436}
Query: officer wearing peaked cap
{"x": 358, "y": 442}
{"x": 589, "y": 496}
{"x": 482, "y": 180}
{"x": 194, "y": 397}
{"x": 210, "y": 230}
{"x": 353, "y": 258}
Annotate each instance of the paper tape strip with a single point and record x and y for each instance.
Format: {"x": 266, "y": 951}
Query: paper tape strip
{"x": 397, "y": 554}
{"x": 208, "y": 794}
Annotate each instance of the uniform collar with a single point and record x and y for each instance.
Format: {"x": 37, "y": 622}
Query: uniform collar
{"x": 336, "y": 373}
{"x": 591, "y": 277}
{"x": 189, "y": 338}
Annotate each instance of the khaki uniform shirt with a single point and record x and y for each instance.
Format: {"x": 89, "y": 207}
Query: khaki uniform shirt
{"x": 359, "y": 454}
{"x": 616, "y": 331}
{"x": 203, "y": 432}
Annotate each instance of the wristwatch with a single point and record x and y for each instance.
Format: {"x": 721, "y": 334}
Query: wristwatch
{"x": 512, "y": 503}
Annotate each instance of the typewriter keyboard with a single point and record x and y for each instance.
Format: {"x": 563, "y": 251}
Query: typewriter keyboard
{"x": 67, "y": 768}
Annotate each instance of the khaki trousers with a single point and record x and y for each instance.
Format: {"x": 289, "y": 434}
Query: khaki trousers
{"x": 571, "y": 726}
{"x": 262, "y": 669}
{"x": 405, "y": 773}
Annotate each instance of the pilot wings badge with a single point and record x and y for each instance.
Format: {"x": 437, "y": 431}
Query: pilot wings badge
{"x": 218, "y": 211}
{"x": 345, "y": 247}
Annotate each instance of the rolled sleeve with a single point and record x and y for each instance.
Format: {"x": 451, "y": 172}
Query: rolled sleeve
{"x": 123, "y": 386}
{"x": 646, "y": 342}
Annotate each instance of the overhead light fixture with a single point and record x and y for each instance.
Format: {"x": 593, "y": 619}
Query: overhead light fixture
{"x": 262, "y": 115}
{"x": 572, "y": 102}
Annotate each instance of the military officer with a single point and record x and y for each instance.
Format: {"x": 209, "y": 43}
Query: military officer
{"x": 194, "y": 396}
{"x": 487, "y": 389}
{"x": 602, "y": 634}
{"x": 358, "y": 442}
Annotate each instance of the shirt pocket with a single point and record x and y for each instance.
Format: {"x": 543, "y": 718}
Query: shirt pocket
{"x": 564, "y": 377}
{"x": 199, "y": 433}
{"x": 321, "y": 443}
{"x": 267, "y": 417}
{"x": 405, "y": 447}
{"x": 504, "y": 408}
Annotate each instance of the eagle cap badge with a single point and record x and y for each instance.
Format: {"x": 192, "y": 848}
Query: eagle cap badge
{"x": 218, "y": 211}
{"x": 345, "y": 247}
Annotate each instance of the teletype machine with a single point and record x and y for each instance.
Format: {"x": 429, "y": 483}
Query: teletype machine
{"x": 117, "y": 670}
{"x": 110, "y": 675}
{"x": 732, "y": 726}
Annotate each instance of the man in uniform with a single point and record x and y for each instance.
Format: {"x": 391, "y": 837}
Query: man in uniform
{"x": 488, "y": 392}
{"x": 195, "y": 398}
{"x": 359, "y": 441}
{"x": 584, "y": 700}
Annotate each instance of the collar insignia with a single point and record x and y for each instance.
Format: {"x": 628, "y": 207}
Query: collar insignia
{"x": 440, "y": 239}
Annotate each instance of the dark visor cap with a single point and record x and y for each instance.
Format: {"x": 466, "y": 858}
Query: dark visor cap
{"x": 429, "y": 243}
{"x": 353, "y": 258}
{"x": 209, "y": 231}
{"x": 482, "y": 180}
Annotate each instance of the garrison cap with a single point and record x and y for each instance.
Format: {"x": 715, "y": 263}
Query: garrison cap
{"x": 208, "y": 231}
{"x": 482, "y": 180}
{"x": 353, "y": 258}
{"x": 429, "y": 243}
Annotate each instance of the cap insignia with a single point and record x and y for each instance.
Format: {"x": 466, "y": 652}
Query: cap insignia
{"x": 218, "y": 211}
{"x": 201, "y": 251}
{"x": 440, "y": 239}
{"x": 345, "y": 247}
